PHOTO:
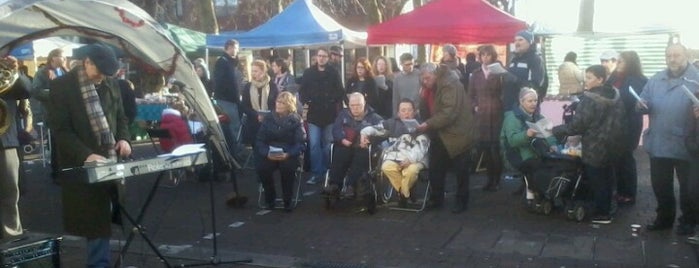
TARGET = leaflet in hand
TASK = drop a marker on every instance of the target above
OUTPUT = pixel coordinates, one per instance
(275, 151)
(410, 124)
(638, 98)
(496, 68)
(543, 128)
(690, 95)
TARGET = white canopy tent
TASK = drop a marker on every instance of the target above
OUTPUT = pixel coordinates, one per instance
(116, 22)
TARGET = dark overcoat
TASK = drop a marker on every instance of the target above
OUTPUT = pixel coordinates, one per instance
(87, 208)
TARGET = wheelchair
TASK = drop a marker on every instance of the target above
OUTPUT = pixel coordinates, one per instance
(366, 183)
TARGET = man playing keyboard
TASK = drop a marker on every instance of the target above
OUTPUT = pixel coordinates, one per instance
(89, 125)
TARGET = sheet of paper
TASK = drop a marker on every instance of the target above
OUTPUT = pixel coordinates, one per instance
(543, 127)
(411, 124)
(496, 68)
(186, 149)
(690, 95)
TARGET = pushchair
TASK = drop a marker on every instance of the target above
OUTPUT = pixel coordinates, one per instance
(558, 182)
(365, 186)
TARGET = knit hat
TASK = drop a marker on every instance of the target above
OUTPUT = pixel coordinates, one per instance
(101, 55)
(171, 111)
(526, 91)
(527, 35)
(449, 48)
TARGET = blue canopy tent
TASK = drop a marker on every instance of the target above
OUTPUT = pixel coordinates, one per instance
(42, 47)
(301, 24)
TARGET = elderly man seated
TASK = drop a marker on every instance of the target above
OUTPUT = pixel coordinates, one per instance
(407, 153)
(349, 158)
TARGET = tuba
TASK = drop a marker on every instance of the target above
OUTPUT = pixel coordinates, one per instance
(8, 76)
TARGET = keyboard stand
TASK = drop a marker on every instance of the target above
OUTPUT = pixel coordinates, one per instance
(140, 229)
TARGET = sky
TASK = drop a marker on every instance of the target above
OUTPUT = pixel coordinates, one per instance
(615, 16)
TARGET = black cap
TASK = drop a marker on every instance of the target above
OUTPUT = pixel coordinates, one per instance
(336, 50)
(101, 55)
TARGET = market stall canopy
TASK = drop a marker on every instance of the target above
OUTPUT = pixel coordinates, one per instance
(189, 40)
(119, 23)
(448, 21)
(301, 24)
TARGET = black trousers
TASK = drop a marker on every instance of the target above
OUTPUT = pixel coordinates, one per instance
(601, 183)
(493, 160)
(693, 186)
(440, 162)
(350, 161)
(626, 175)
(662, 174)
(287, 169)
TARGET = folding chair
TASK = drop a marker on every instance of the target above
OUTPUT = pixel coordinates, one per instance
(421, 177)
(248, 164)
(279, 202)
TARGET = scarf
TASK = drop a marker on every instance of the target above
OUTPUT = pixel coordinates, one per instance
(486, 72)
(428, 96)
(259, 92)
(95, 114)
(280, 81)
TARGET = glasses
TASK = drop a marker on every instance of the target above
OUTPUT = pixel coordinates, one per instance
(322, 56)
(408, 64)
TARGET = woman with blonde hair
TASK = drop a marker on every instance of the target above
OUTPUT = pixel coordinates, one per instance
(258, 98)
(280, 129)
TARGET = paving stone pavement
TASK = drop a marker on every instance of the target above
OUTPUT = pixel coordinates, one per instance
(496, 231)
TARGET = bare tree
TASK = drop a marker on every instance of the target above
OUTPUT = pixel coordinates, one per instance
(587, 16)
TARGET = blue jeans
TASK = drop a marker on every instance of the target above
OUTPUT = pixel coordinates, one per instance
(319, 139)
(98, 253)
(231, 109)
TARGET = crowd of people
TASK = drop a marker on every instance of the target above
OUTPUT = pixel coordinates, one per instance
(434, 117)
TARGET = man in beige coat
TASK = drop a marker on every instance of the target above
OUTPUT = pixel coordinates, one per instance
(449, 125)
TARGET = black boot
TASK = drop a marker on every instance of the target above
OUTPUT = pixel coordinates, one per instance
(370, 201)
(287, 205)
(402, 201)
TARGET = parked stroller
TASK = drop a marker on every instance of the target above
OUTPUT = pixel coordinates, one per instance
(558, 183)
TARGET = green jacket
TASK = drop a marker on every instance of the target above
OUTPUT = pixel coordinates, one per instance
(86, 207)
(452, 119)
(514, 132)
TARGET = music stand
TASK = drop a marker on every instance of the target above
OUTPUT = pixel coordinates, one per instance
(214, 260)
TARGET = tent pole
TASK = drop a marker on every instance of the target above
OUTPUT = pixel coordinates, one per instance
(342, 64)
(206, 56)
(307, 57)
